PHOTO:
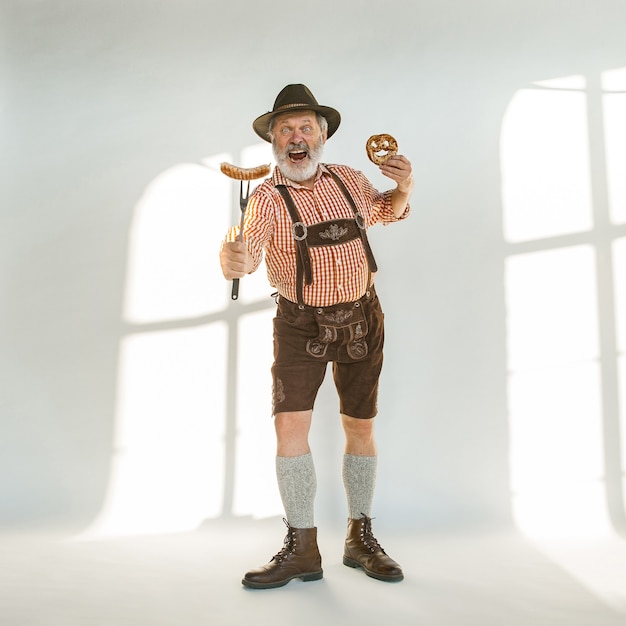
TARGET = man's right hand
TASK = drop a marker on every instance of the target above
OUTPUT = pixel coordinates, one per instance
(235, 259)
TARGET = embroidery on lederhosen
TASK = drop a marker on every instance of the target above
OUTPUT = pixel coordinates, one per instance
(357, 346)
(278, 392)
(351, 320)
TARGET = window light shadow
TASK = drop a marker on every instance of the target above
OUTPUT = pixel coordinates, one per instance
(564, 210)
(182, 449)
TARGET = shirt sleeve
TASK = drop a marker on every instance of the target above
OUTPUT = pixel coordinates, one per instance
(258, 225)
(380, 202)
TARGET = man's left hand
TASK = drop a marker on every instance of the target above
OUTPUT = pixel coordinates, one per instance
(399, 168)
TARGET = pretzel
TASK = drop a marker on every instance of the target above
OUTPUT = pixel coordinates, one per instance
(244, 173)
(380, 147)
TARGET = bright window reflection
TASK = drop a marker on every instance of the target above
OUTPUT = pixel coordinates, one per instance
(619, 272)
(256, 493)
(614, 102)
(175, 235)
(554, 392)
(545, 164)
(167, 470)
(553, 311)
(552, 308)
(170, 453)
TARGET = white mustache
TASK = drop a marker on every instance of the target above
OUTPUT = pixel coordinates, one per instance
(292, 147)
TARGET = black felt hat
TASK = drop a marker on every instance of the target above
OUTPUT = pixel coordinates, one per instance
(294, 98)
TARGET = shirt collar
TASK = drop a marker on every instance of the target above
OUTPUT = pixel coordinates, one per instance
(278, 178)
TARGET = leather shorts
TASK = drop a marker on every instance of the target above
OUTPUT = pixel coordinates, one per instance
(306, 339)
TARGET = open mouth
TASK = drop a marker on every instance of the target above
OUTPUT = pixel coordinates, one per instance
(298, 156)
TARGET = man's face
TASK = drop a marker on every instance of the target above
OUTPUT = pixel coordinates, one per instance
(298, 143)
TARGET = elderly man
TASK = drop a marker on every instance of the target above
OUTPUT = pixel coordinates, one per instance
(310, 220)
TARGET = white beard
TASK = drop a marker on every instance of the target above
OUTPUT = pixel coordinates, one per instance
(294, 171)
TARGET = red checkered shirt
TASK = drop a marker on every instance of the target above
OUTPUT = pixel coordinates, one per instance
(340, 272)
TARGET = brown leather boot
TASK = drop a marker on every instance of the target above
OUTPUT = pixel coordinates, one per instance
(299, 558)
(363, 550)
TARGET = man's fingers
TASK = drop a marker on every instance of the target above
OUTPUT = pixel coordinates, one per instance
(234, 247)
(234, 259)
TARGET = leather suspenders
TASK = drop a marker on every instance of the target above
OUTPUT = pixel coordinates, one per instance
(329, 233)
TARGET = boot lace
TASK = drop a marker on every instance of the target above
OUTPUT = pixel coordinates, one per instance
(289, 544)
(367, 536)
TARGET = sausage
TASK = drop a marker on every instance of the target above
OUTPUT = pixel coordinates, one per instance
(244, 173)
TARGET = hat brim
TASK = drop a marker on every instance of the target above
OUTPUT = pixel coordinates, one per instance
(261, 124)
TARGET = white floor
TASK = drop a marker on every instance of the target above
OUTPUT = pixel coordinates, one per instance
(194, 579)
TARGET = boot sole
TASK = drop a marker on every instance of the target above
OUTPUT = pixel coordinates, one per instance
(389, 578)
(281, 583)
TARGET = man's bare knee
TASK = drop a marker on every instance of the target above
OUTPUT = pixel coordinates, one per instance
(359, 435)
(292, 432)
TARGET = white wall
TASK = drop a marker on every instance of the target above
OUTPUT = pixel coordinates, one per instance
(100, 99)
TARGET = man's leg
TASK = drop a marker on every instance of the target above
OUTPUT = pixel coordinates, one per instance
(359, 477)
(295, 472)
(359, 465)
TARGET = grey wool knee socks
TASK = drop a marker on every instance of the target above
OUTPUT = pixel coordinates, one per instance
(297, 484)
(359, 479)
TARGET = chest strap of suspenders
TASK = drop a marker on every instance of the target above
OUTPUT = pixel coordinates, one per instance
(305, 236)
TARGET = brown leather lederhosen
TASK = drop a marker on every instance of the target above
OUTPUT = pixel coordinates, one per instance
(328, 233)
